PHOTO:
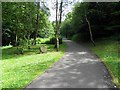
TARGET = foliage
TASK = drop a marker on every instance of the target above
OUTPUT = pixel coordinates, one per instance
(66, 27)
(19, 22)
(103, 17)
(76, 37)
(47, 31)
(38, 40)
(53, 40)
(79, 38)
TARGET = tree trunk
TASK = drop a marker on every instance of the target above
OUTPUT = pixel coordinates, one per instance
(29, 41)
(16, 39)
(16, 34)
(57, 44)
(60, 16)
(57, 29)
(58, 24)
(90, 31)
(37, 22)
(36, 31)
(60, 12)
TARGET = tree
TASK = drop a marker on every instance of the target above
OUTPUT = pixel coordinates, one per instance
(58, 22)
(57, 40)
(81, 9)
(91, 35)
(19, 25)
(18, 22)
(66, 26)
(37, 22)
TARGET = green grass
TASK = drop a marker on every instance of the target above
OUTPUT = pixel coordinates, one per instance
(19, 70)
(4, 47)
(107, 50)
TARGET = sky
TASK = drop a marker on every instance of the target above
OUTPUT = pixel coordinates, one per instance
(67, 8)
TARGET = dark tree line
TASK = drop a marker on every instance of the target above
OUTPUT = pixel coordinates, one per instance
(92, 20)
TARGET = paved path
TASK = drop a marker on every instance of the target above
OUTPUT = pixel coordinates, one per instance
(78, 68)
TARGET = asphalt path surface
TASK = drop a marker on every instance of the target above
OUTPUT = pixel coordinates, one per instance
(78, 68)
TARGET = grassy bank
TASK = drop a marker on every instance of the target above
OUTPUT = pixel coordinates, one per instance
(19, 70)
(107, 50)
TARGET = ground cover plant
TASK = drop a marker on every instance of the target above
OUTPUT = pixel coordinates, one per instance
(20, 70)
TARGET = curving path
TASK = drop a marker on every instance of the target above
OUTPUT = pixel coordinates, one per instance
(78, 68)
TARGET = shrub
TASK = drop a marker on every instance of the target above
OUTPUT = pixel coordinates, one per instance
(31, 41)
(21, 47)
(53, 40)
(80, 37)
(38, 40)
(76, 37)
(45, 40)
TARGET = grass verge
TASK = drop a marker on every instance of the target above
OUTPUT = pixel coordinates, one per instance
(19, 70)
(107, 50)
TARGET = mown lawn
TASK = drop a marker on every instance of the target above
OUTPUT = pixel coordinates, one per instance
(19, 70)
(107, 50)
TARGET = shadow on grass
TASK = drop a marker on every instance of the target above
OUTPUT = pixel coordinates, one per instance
(10, 53)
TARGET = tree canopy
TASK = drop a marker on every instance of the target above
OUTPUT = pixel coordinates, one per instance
(103, 17)
(19, 21)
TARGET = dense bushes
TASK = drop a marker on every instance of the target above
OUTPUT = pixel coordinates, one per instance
(53, 41)
(76, 38)
(22, 45)
(81, 37)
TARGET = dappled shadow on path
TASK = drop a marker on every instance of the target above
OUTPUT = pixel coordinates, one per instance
(78, 68)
